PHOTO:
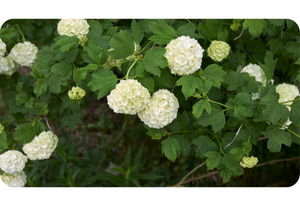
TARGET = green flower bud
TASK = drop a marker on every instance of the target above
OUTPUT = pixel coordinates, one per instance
(76, 93)
(249, 162)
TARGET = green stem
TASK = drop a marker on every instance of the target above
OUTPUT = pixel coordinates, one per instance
(145, 47)
(220, 146)
(248, 142)
(127, 74)
(293, 133)
(21, 33)
(4, 121)
(74, 65)
(218, 103)
(47, 75)
(188, 20)
(35, 120)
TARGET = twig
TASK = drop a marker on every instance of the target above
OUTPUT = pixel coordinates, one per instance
(180, 182)
(240, 33)
(234, 137)
(216, 172)
(275, 161)
(48, 125)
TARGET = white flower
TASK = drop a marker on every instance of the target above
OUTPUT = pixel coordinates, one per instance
(218, 50)
(184, 55)
(12, 161)
(1, 128)
(161, 109)
(76, 93)
(16, 179)
(70, 27)
(129, 97)
(24, 53)
(8, 66)
(2, 48)
(249, 162)
(259, 75)
(287, 92)
(42, 146)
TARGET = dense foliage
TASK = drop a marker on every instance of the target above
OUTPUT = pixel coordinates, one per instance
(179, 92)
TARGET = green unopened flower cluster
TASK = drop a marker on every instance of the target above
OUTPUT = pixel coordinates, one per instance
(1, 128)
(76, 93)
(235, 25)
(218, 50)
(249, 162)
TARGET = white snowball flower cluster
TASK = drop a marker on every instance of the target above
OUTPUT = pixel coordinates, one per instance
(184, 55)
(76, 93)
(2, 48)
(12, 161)
(259, 75)
(70, 27)
(16, 179)
(218, 50)
(24, 53)
(161, 109)
(249, 162)
(129, 97)
(1, 128)
(287, 92)
(42, 146)
(8, 66)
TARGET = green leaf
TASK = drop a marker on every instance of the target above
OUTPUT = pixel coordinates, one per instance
(232, 79)
(25, 133)
(79, 75)
(214, 73)
(213, 160)
(153, 59)
(223, 35)
(293, 48)
(66, 43)
(3, 141)
(295, 111)
(63, 69)
(21, 98)
(243, 106)
(187, 30)
(275, 111)
(29, 103)
(40, 86)
(211, 28)
(41, 108)
(277, 22)
(147, 82)
(189, 85)
(199, 107)
(277, 137)
(137, 31)
(185, 145)
(216, 118)
(7, 33)
(70, 121)
(269, 65)
(103, 80)
(255, 26)
(204, 145)
(248, 84)
(275, 45)
(155, 134)
(128, 158)
(43, 67)
(171, 148)
(239, 152)
(122, 44)
(164, 33)
(53, 82)
(229, 162)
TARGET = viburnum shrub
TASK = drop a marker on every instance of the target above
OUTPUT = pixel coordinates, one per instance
(211, 89)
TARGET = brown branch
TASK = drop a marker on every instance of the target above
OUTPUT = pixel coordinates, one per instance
(180, 182)
(216, 172)
(234, 137)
